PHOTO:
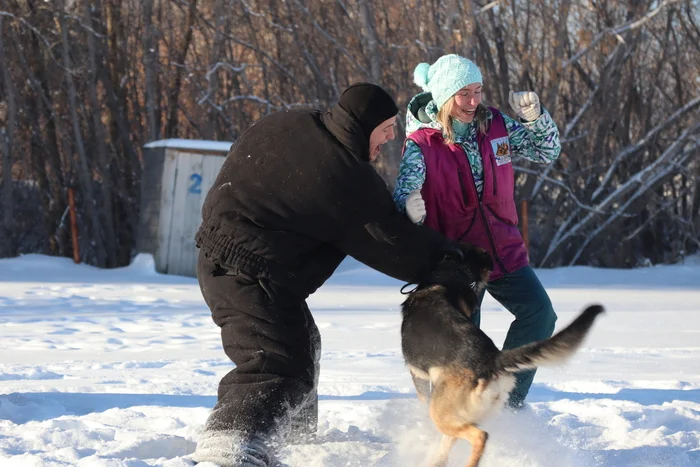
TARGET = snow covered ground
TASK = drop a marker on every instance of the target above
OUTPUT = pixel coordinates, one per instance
(120, 368)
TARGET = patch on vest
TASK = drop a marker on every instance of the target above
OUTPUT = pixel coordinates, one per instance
(501, 150)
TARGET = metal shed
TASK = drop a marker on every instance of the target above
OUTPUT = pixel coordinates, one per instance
(177, 174)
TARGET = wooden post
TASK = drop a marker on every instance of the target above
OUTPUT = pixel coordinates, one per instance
(523, 218)
(73, 225)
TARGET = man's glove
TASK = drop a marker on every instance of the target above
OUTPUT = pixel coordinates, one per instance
(525, 104)
(415, 207)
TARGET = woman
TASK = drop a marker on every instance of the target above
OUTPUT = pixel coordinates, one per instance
(456, 177)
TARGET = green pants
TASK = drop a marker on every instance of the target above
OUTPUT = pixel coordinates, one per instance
(522, 294)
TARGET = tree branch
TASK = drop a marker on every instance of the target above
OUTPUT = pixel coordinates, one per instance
(617, 31)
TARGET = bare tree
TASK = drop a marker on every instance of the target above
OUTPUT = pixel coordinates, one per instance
(372, 41)
(101, 142)
(180, 57)
(149, 67)
(82, 169)
(618, 77)
(8, 115)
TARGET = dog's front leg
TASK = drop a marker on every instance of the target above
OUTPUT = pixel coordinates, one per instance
(478, 439)
(443, 453)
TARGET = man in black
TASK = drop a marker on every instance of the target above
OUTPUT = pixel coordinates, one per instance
(296, 194)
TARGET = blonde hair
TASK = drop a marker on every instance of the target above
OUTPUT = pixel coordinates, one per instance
(445, 120)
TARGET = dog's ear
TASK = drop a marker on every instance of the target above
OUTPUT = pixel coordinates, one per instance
(477, 256)
(452, 252)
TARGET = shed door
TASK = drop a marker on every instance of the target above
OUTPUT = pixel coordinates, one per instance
(188, 178)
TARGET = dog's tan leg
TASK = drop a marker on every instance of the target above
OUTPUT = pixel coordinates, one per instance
(443, 453)
(447, 406)
(478, 439)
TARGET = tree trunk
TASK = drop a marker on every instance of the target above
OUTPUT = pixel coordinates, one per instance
(561, 39)
(101, 142)
(7, 131)
(370, 34)
(44, 149)
(82, 169)
(209, 129)
(181, 55)
(149, 61)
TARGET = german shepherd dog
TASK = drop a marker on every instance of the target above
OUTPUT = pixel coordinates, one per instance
(470, 377)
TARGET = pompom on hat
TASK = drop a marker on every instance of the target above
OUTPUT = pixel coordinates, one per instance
(446, 76)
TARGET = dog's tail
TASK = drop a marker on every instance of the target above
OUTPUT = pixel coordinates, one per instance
(556, 349)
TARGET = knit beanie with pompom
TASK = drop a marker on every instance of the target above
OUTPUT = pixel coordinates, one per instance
(446, 76)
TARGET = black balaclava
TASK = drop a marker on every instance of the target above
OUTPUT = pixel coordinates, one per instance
(369, 104)
(360, 109)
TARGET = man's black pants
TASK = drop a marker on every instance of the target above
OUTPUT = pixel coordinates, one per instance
(269, 333)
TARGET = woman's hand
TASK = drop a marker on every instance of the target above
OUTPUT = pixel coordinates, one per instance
(415, 207)
(525, 104)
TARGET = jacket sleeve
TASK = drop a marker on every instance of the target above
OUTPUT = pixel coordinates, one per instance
(381, 237)
(411, 174)
(395, 246)
(537, 141)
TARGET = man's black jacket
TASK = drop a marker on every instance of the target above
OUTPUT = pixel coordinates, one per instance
(297, 194)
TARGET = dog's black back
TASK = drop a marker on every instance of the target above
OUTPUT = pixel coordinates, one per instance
(437, 328)
(435, 333)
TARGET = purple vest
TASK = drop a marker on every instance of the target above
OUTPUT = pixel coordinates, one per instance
(452, 203)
